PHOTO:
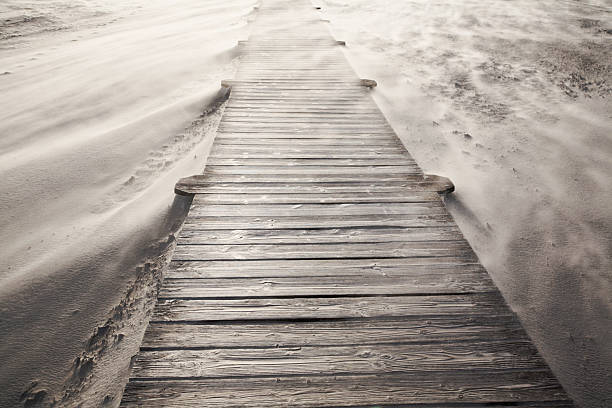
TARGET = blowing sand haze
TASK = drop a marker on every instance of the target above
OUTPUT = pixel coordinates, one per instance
(309, 254)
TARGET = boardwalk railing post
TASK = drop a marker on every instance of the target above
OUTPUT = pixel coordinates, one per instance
(441, 185)
(368, 83)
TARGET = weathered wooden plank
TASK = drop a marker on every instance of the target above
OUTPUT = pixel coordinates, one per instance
(331, 97)
(303, 127)
(294, 59)
(298, 86)
(265, 72)
(199, 209)
(281, 145)
(333, 333)
(317, 141)
(306, 135)
(304, 96)
(267, 104)
(274, 85)
(302, 121)
(376, 164)
(320, 221)
(357, 98)
(321, 141)
(297, 58)
(278, 112)
(269, 110)
(250, 71)
(193, 235)
(391, 153)
(297, 163)
(213, 310)
(394, 168)
(287, 66)
(331, 87)
(288, 198)
(302, 118)
(306, 129)
(313, 251)
(300, 72)
(538, 389)
(329, 92)
(325, 58)
(489, 356)
(352, 98)
(321, 267)
(234, 113)
(351, 105)
(407, 284)
(223, 152)
(290, 66)
(321, 85)
(293, 63)
(199, 185)
(333, 91)
(257, 81)
(313, 178)
(270, 81)
(308, 149)
(322, 108)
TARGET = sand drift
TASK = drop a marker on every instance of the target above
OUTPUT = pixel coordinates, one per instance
(101, 112)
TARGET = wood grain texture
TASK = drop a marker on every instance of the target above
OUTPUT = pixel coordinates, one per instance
(193, 235)
(163, 336)
(432, 249)
(342, 137)
(297, 210)
(310, 149)
(293, 141)
(313, 308)
(423, 283)
(287, 164)
(505, 389)
(489, 356)
(320, 221)
(313, 198)
(198, 185)
(321, 267)
(355, 177)
(316, 170)
(318, 265)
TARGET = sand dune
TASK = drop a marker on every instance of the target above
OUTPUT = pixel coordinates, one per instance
(99, 116)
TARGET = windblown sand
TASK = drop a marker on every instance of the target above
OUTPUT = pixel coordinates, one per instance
(512, 101)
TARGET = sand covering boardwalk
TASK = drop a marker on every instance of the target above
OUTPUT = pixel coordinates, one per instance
(317, 266)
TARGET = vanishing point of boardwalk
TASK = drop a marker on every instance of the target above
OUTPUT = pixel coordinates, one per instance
(318, 266)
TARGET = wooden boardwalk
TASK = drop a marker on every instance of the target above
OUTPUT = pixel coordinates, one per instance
(318, 267)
